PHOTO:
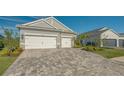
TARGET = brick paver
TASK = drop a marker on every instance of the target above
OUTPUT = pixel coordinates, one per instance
(63, 62)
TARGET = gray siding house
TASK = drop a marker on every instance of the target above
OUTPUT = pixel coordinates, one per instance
(105, 36)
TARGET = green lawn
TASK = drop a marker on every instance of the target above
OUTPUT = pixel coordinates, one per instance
(110, 53)
(5, 62)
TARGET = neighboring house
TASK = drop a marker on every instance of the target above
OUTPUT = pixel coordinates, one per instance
(45, 33)
(106, 38)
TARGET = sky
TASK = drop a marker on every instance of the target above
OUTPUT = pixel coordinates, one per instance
(78, 24)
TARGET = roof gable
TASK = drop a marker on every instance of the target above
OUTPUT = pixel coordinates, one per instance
(57, 24)
(109, 34)
(38, 23)
(49, 22)
(102, 30)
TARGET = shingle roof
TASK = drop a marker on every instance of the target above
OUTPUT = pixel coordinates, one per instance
(97, 31)
(121, 33)
(101, 30)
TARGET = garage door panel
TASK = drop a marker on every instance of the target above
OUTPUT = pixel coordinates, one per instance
(66, 42)
(37, 42)
(49, 42)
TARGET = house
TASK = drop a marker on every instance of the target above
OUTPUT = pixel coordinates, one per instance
(46, 33)
(105, 36)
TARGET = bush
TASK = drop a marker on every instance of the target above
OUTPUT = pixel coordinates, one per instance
(92, 48)
(19, 49)
(77, 46)
(15, 53)
(8, 52)
(77, 43)
(1, 44)
(4, 52)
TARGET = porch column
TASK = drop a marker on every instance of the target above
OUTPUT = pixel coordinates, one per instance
(117, 45)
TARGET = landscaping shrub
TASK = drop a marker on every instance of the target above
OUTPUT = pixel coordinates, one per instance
(92, 48)
(15, 53)
(88, 48)
(77, 46)
(4, 52)
(10, 52)
(19, 49)
(77, 43)
(1, 44)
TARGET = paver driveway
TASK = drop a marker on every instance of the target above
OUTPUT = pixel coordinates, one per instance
(63, 62)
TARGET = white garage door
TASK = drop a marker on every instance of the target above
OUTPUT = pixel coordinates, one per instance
(66, 42)
(37, 42)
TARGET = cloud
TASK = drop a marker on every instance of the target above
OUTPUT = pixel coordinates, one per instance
(7, 18)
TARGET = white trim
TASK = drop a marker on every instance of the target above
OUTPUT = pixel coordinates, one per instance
(38, 21)
(115, 32)
(35, 21)
(32, 22)
(45, 29)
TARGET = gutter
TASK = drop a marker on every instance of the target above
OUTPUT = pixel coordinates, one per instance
(42, 28)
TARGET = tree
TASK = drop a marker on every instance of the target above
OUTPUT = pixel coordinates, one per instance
(11, 40)
(81, 37)
(16, 40)
(1, 43)
(8, 39)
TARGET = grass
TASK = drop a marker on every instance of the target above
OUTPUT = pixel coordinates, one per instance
(5, 62)
(110, 53)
